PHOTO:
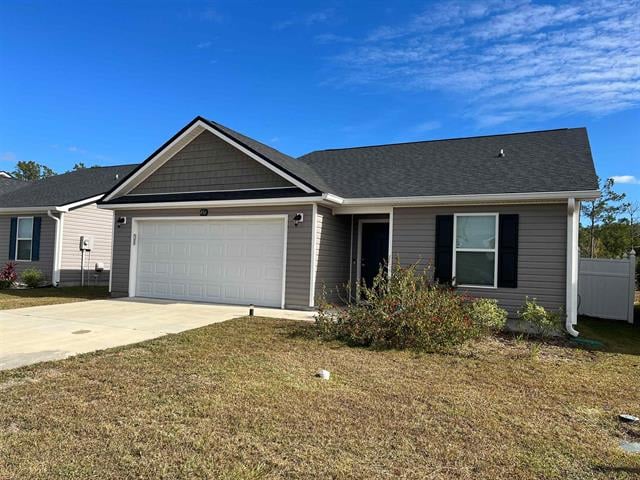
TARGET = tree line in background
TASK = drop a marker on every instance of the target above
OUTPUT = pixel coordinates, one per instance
(30, 170)
(611, 225)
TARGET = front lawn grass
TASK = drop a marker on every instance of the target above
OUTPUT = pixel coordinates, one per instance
(617, 336)
(33, 297)
(239, 400)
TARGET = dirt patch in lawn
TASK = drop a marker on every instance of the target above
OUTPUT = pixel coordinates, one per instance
(240, 400)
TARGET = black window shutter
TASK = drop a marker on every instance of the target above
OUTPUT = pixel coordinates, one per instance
(12, 238)
(35, 244)
(444, 248)
(508, 251)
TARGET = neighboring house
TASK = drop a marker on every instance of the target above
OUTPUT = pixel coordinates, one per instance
(9, 184)
(41, 224)
(216, 216)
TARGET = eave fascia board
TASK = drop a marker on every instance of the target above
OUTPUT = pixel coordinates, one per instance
(52, 208)
(198, 125)
(12, 210)
(80, 203)
(331, 198)
(463, 199)
(215, 204)
(362, 209)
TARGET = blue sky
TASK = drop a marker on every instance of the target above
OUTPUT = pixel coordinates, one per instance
(108, 82)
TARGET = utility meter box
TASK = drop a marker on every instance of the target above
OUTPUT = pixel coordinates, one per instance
(86, 242)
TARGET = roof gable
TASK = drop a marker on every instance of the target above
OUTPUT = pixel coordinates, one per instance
(286, 167)
(208, 163)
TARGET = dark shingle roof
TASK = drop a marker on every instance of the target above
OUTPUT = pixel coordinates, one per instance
(11, 184)
(66, 188)
(544, 161)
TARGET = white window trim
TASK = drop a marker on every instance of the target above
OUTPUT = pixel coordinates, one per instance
(487, 250)
(18, 238)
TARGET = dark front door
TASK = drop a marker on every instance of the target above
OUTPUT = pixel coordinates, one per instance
(374, 250)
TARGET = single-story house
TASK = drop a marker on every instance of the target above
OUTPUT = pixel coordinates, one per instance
(41, 223)
(216, 216)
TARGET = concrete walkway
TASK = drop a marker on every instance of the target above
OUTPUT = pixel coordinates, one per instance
(52, 332)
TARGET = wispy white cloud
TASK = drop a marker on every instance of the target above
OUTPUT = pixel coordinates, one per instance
(628, 179)
(206, 44)
(74, 149)
(325, 38)
(210, 14)
(427, 126)
(510, 59)
(82, 152)
(8, 157)
(306, 19)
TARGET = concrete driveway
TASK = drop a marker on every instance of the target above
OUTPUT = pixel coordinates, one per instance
(52, 332)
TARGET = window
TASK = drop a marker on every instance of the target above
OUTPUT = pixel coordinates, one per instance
(475, 249)
(24, 238)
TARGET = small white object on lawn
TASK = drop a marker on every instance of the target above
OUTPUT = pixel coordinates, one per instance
(625, 417)
(323, 374)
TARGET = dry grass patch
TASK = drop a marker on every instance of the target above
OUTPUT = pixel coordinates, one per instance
(33, 297)
(240, 400)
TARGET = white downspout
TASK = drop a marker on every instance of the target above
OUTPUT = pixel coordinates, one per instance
(573, 225)
(55, 278)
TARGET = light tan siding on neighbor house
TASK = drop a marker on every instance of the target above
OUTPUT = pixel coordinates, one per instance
(541, 249)
(91, 221)
(298, 263)
(47, 235)
(332, 253)
(208, 163)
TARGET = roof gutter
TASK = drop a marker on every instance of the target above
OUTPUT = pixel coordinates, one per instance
(217, 203)
(483, 198)
(55, 278)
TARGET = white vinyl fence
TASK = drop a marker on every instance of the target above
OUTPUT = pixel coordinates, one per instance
(606, 287)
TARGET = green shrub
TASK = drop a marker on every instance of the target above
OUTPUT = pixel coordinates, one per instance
(402, 311)
(8, 275)
(545, 321)
(32, 277)
(487, 316)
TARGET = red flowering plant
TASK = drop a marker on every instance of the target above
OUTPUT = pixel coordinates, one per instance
(8, 275)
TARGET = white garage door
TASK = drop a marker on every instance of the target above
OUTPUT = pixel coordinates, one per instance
(238, 261)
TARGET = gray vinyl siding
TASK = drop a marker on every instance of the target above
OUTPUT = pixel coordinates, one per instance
(541, 249)
(47, 239)
(91, 221)
(298, 273)
(209, 163)
(332, 253)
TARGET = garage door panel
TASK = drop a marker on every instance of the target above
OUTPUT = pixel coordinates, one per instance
(227, 261)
